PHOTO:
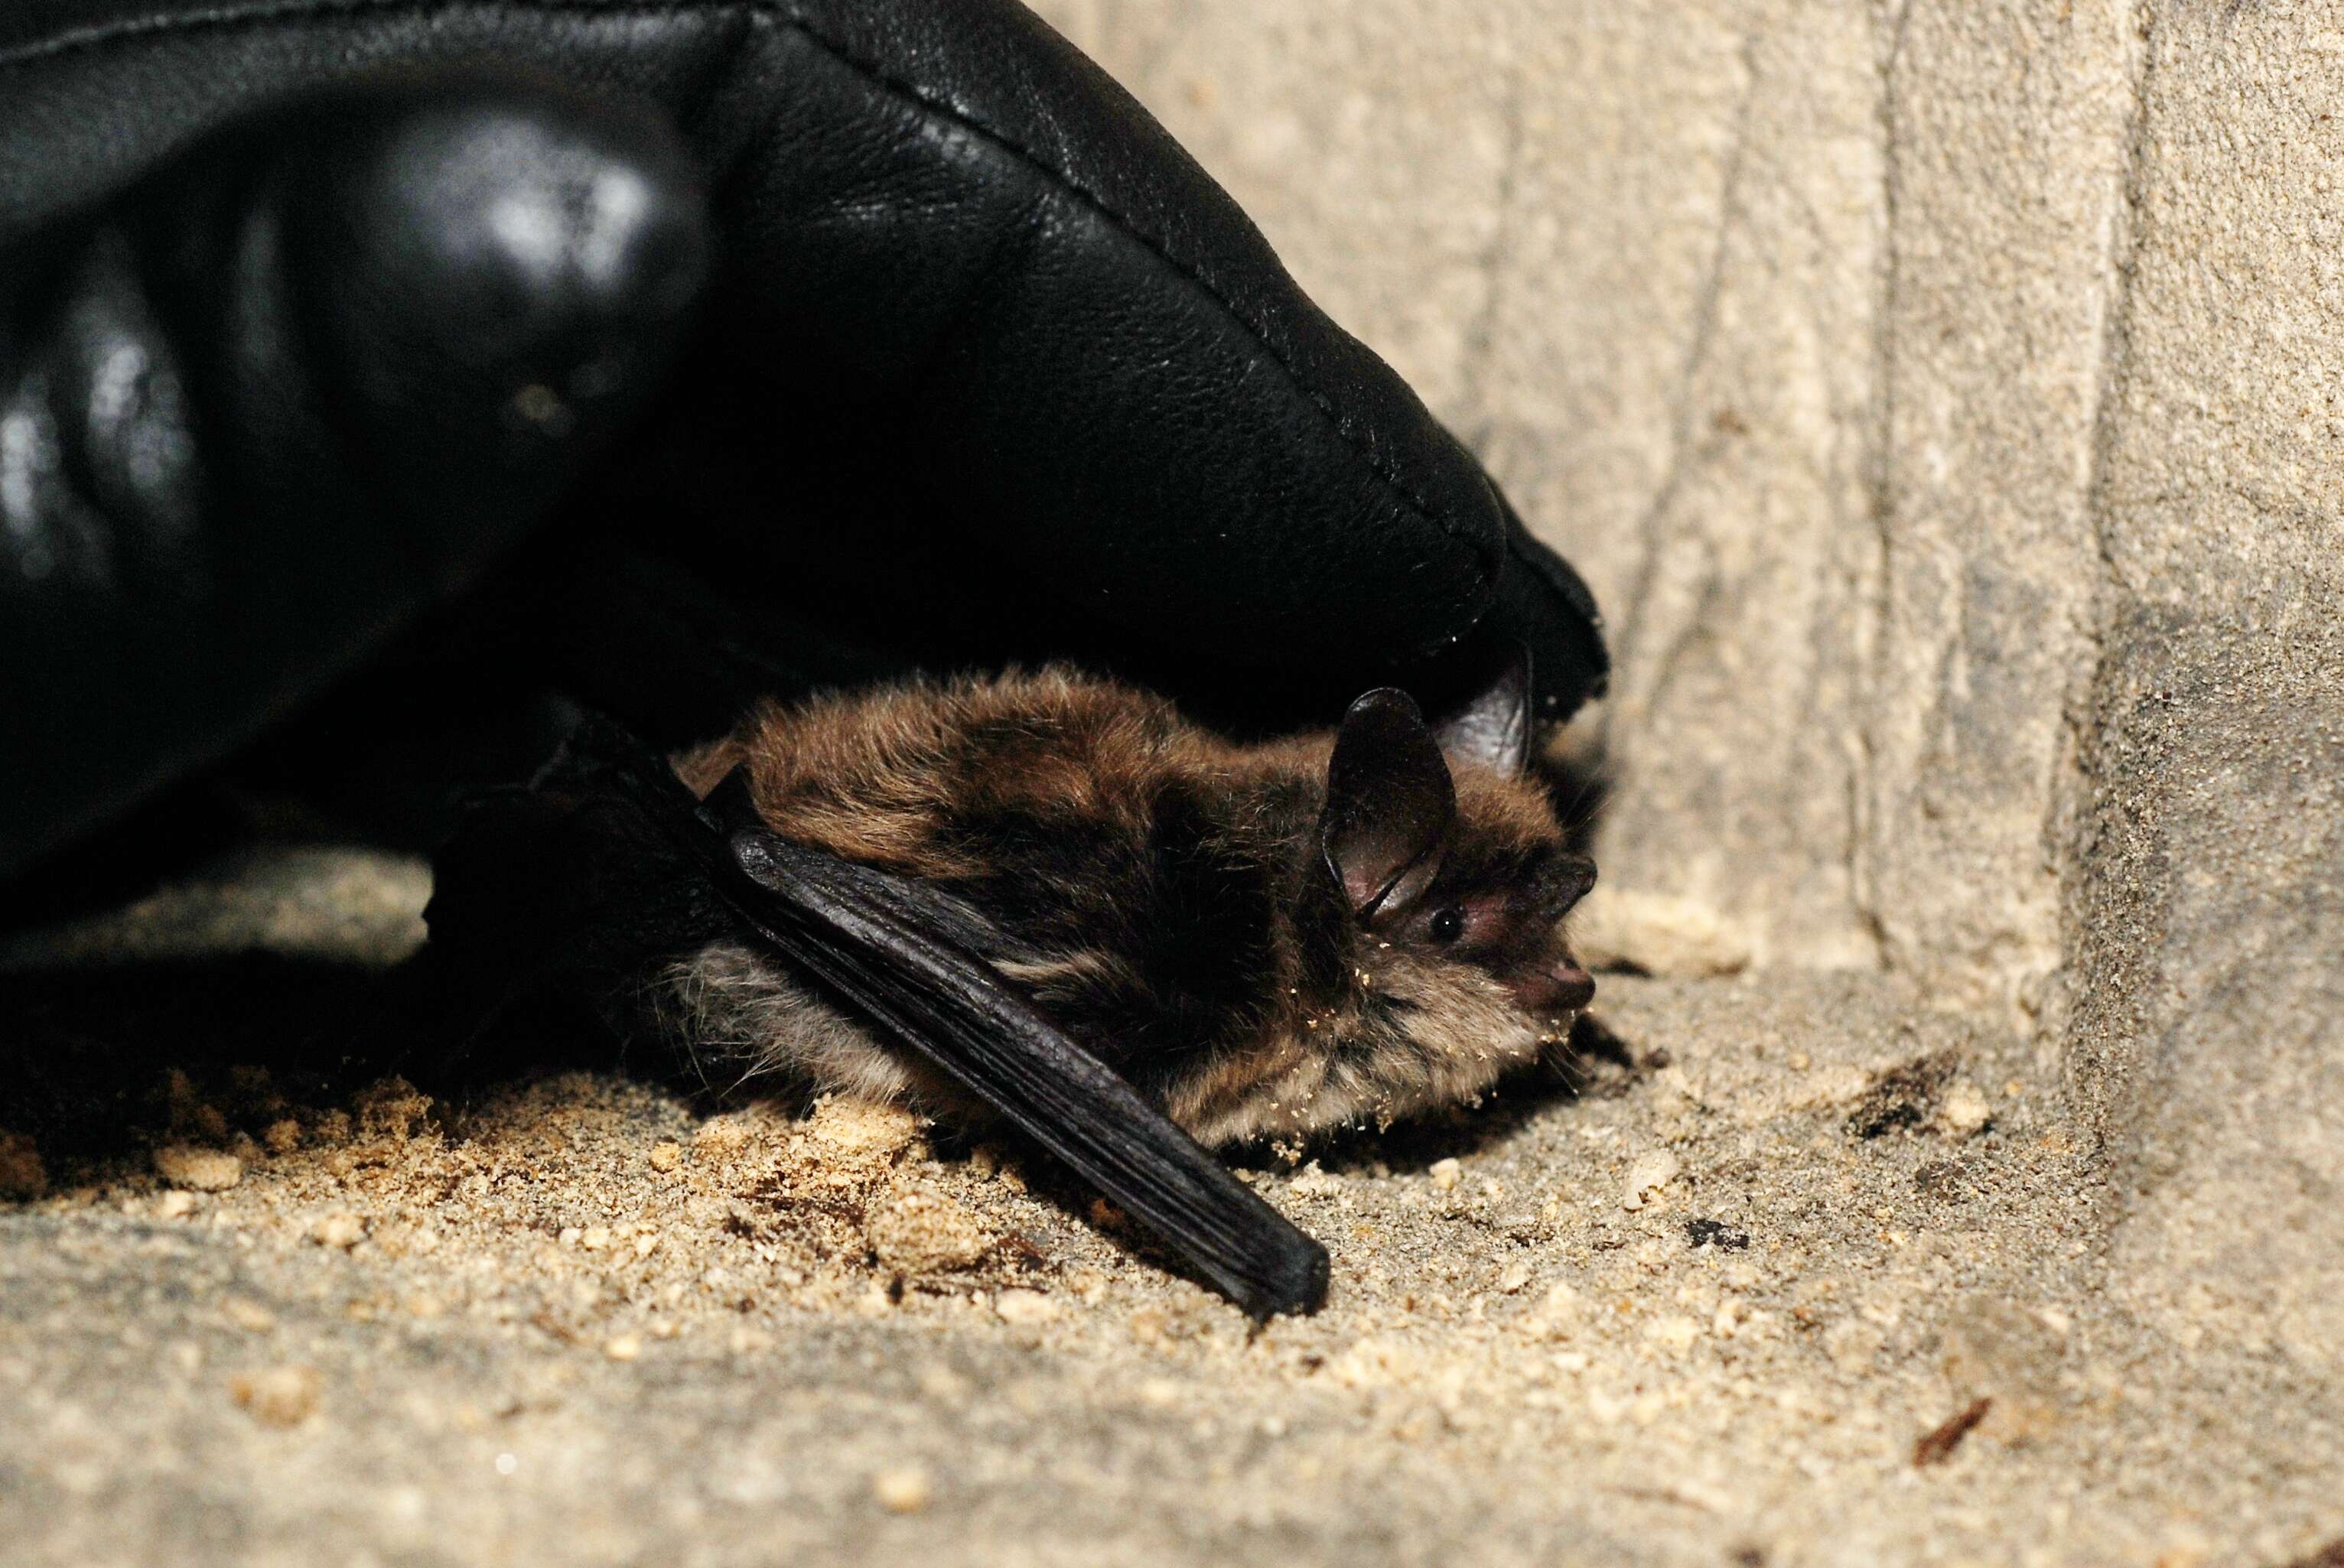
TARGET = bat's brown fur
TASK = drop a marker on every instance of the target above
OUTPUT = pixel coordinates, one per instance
(1161, 892)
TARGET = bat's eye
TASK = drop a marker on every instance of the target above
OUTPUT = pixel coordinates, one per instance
(1448, 925)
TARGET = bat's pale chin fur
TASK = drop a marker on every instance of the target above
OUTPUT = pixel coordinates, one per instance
(747, 1018)
(1412, 1036)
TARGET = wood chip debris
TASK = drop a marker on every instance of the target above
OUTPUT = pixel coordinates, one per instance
(1937, 1444)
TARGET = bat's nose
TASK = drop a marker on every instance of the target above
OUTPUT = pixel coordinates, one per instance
(1562, 985)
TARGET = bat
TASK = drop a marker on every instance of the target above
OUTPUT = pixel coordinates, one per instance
(1051, 901)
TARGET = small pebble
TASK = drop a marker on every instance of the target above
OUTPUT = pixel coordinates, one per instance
(1161, 1392)
(666, 1155)
(905, 1490)
(1312, 1182)
(1446, 1174)
(1676, 1332)
(1025, 1307)
(175, 1205)
(943, 1383)
(203, 1170)
(282, 1396)
(1555, 1315)
(251, 1315)
(595, 1237)
(625, 1348)
(1513, 1278)
(1965, 1112)
(340, 1229)
(1649, 1174)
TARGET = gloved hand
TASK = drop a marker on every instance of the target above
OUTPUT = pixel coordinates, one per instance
(666, 355)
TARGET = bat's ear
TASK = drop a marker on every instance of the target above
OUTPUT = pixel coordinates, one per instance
(730, 806)
(1390, 803)
(1492, 726)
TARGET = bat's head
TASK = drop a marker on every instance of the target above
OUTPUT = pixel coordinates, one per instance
(1430, 927)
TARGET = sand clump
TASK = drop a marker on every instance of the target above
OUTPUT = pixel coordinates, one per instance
(921, 1231)
(198, 1169)
(848, 1183)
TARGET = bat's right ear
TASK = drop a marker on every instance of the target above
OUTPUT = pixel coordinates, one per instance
(730, 806)
(1389, 804)
(1493, 725)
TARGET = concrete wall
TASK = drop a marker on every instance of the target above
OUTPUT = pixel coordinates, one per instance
(1942, 400)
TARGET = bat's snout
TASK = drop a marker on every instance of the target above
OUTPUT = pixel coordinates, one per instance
(1559, 986)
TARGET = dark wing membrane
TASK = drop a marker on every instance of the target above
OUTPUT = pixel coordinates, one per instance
(587, 875)
(876, 940)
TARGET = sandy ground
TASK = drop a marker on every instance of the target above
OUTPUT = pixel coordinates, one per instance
(1790, 1271)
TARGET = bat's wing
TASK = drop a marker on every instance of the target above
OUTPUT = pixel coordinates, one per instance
(608, 863)
(589, 872)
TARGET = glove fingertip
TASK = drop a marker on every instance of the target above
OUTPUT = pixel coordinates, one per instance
(493, 276)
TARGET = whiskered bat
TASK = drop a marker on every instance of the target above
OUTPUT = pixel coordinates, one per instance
(1052, 900)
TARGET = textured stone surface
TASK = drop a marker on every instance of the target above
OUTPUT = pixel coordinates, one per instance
(2208, 893)
(1944, 401)
(1633, 254)
(1790, 323)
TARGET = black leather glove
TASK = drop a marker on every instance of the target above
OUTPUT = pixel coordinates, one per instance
(687, 352)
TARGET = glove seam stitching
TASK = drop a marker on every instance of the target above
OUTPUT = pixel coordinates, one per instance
(97, 38)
